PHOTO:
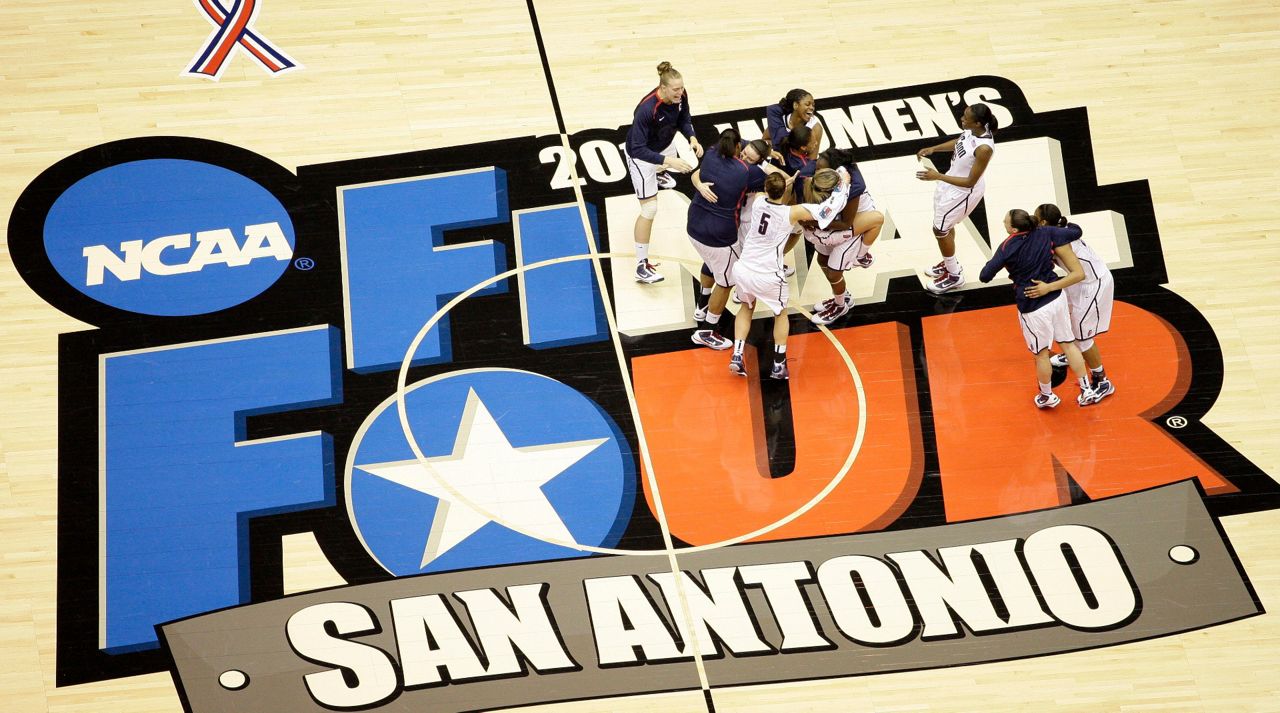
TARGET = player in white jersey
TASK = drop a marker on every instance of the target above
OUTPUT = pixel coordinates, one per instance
(759, 272)
(847, 242)
(1090, 301)
(959, 190)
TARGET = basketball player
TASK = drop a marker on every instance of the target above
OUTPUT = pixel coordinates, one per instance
(1027, 254)
(651, 152)
(758, 273)
(847, 242)
(1089, 301)
(791, 112)
(959, 190)
(796, 159)
(723, 180)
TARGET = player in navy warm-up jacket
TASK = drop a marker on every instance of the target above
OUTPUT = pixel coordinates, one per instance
(651, 152)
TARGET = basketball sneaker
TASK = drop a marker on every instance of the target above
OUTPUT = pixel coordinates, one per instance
(1088, 397)
(937, 271)
(666, 180)
(867, 260)
(1059, 361)
(700, 313)
(646, 274)
(780, 371)
(1103, 388)
(835, 310)
(736, 366)
(708, 338)
(788, 270)
(1047, 400)
(946, 283)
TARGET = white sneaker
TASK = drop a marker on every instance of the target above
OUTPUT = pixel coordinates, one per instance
(700, 313)
(646, 274)
(708, 338)
(1088, 397)
(736, 366)
(1059, 360)
(666, 180)
(1043, 401)
(946, 283)
(1104, 388)
(866, 260)
(780, 371)
(788, 270)
(837, 309)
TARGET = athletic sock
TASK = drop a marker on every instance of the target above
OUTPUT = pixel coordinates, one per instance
(713, 318)
(953, 265)
(1046, 389)
(1098, 374)
(738, 346)
(863, 248)
(779, 353)
(710, 322)
(642, 252)
(1084, 383)
(702, 297)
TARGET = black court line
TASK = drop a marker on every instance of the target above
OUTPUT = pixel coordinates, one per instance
(546, 67)
(555, 105)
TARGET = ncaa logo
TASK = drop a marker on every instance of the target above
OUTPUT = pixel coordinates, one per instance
(187, 237)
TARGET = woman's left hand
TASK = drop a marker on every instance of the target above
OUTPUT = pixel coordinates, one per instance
(1039, 289)
(928, 174)
(697, 147)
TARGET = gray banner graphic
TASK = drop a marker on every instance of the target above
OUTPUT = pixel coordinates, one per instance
(1118, 570)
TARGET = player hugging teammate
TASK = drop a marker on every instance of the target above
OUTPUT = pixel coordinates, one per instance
(754, 200)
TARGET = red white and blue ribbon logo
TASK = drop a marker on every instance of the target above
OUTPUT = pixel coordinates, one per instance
(234, 28)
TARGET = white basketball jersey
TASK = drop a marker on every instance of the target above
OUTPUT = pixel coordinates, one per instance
(1095, 268)
(812, 122)
(766, 236)
(962, 158)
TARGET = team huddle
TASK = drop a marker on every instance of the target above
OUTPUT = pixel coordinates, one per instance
(755, 200)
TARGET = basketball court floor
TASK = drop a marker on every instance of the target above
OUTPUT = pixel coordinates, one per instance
(326, 385)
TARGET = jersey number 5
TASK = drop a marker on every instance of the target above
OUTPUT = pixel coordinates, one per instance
(764, 223)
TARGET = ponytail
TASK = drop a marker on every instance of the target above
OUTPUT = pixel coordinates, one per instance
(788, 103)
(1021, 220)
(1051, 215)
(728, 144)
(983, 115)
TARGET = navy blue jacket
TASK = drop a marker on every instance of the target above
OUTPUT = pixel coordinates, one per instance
(716, 224)
(654, 126)
(1029, 256)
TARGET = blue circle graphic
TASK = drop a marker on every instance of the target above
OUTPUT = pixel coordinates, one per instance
(169, 237)
(393, 503)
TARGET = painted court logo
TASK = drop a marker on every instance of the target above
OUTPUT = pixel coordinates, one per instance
(190, 238)
(439, 365)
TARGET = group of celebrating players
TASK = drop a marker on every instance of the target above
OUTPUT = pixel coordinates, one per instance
(754, 200)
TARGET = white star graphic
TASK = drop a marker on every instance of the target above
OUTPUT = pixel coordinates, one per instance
(485, 469)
